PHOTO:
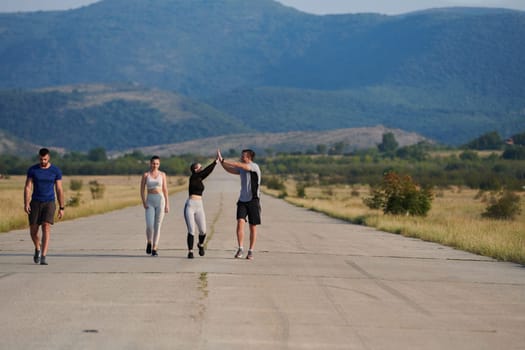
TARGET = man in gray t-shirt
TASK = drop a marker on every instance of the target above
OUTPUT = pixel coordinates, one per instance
(248, 204)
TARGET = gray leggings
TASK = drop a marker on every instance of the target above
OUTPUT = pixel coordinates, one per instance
(194, 216)
(154, 216)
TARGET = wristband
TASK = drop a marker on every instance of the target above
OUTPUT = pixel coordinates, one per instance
(61, 208)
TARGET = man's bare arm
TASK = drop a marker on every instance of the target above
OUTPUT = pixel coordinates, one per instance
(27, 195)
(229, 167)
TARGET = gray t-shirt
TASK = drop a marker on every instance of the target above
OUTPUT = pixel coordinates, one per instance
(250, 181)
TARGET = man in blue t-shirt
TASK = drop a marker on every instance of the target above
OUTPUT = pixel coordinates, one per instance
(43, 180)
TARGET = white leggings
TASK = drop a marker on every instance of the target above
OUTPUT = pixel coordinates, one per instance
(194, 216)
(154, 216)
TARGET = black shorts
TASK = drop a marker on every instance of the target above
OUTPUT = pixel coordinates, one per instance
(41, 212)
(251, 209)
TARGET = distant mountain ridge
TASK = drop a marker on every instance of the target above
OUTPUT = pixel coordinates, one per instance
(210, 46)
(243, 66)
(290, 142)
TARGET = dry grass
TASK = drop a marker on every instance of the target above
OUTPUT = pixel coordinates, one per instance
(120, 192)
(454, 220)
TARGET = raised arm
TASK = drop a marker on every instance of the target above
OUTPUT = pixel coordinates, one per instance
(230, 169)
(236, 165)
(204, 173)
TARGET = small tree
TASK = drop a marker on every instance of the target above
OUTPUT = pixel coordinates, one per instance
(490, 140)
(506, 207)
(389, 143)
(399, 195)
(321, 149)
(97, 154)
(514, 152)
(519, 139)
(337, 148)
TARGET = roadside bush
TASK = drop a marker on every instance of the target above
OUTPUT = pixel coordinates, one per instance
(97, 189)
(76, 185)
(74, 201)
(506, 206)
(301, 190)
(399, 195)
(275, 183)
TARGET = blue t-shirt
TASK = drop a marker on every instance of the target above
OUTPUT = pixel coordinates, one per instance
(44, 182)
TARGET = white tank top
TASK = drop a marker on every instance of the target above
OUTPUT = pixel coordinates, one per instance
(154, 183)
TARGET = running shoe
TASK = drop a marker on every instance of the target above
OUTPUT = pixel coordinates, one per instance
(201, 249)
(239, 253)
(249, 256)
(36, 257)
(43, 261)
(154, 253)
(148, 248)
(190, 255)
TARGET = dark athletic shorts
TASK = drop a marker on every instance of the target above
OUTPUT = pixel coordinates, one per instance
(41, 212)
(251, 209)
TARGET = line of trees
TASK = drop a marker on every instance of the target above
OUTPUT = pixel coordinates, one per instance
(497, 170)
(96, 162)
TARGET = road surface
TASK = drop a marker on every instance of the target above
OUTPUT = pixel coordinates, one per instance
(315, 283)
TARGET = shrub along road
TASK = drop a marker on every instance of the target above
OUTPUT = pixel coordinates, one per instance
(315, 283)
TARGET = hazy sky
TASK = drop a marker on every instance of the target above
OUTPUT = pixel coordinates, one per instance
(313, 6)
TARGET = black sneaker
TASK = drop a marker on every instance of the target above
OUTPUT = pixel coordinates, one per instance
(43, 261)
(36, 257)
(148, 248)
(201, 249)
(190, 255)
(154, 253)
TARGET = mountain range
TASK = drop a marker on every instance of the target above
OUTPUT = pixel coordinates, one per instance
(135, 73)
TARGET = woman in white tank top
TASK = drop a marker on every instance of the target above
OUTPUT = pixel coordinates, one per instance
(154, 194)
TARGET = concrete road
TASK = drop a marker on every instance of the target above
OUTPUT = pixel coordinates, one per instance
(315, 283)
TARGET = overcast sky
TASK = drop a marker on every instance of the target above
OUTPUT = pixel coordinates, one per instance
(312, 6)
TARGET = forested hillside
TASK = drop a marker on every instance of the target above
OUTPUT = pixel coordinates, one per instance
(114, 118)
(239, 66)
